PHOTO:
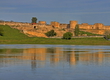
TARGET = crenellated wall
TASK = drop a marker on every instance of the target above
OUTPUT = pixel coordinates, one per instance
(85, 26)
(13, 23)
(99, 26)
(64, 26)
(96, 26)
(39, 29)
(42, 22)
(55, 24)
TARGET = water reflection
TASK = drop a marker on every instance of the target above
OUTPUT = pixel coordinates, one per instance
(51, 62)
(41, 56)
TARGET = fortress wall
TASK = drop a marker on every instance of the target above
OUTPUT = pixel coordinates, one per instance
(42, 22)
(85, 26)
(107, 27)
(98, 26)
(44, 26)
(13, 23)
(73, 24)
(64, 26)
(55, 24)
(41, 28)
(2, 23)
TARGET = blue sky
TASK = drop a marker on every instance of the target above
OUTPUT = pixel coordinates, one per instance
(84, 11)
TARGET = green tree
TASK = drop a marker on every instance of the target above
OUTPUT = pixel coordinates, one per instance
(67, 35)
(50, 33)
(107, 35)
(1, 32)
(76, 31)
(34, 19)
(107, 32)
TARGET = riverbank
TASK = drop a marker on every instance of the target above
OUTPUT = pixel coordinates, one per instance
(73, 41)
(14, 36)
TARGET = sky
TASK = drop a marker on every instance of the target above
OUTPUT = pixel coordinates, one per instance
(84, 11)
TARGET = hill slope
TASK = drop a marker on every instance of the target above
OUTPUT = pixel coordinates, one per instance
(11, 33)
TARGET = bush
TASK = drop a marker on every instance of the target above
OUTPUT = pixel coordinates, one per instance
(76, 31)
(50, 33)
(107, 32)
(107, 37)
(67, 35)
(1, 32)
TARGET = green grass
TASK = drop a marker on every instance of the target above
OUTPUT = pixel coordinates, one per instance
(14, 36)
(88, 33)
(11, 33)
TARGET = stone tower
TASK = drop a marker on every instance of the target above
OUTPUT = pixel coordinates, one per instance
(73, 24)
(55, 24)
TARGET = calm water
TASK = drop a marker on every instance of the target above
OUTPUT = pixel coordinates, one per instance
(54, 62)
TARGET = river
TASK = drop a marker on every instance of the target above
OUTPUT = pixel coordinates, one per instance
(54, 62)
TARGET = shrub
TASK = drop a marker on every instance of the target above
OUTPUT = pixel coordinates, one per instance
(50, 33)
(1, 32)
(67, 35)
(76, 31)
(107, 32)
(107, 37)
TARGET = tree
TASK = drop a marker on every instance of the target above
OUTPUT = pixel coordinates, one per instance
(1, 32)
(76, 31)
(50, 33)
(67, 35)
(34, 19)
(107, 32)
(107, 35)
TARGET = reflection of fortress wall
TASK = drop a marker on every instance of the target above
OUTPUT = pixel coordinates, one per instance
(35, 54)
(95, 57)
(100, 57)
(72, 59)
(56, 56)
(85, 57)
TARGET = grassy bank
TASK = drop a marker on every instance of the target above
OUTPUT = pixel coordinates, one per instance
(13, 36)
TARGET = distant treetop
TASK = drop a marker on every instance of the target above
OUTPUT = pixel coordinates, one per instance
(34, 19)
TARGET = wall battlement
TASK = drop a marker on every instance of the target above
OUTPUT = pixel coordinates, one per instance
(72, 24)
(40, 28)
